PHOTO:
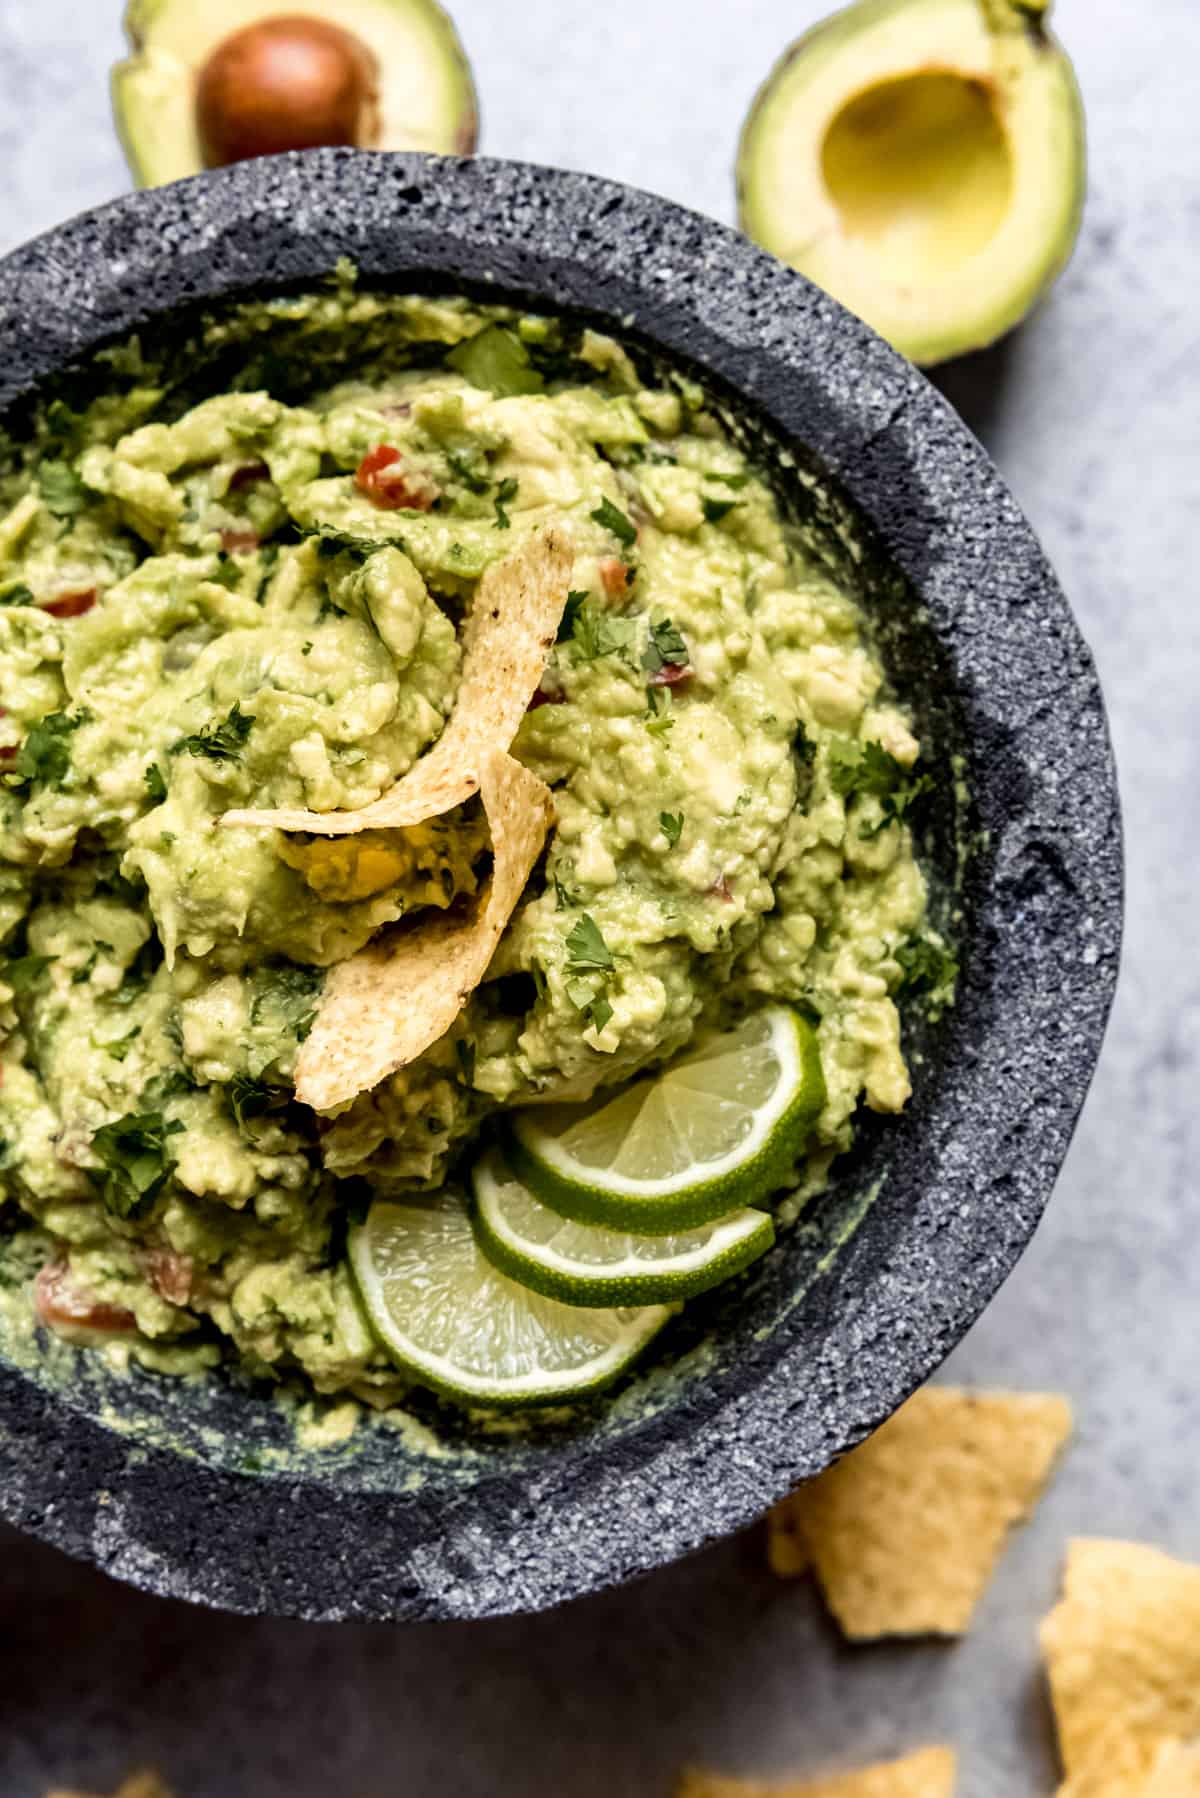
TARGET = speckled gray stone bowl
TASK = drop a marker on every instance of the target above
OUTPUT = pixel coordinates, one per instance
(204, 1490)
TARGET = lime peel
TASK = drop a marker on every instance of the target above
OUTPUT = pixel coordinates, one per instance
(773, 1054)
(585, 1265)
(453, 1322)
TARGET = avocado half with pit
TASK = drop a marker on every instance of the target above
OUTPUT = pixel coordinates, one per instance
(223, 80)
(924, 162)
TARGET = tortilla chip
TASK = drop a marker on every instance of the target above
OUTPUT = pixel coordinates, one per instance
(1175, 1773)
(929, 1773)
(138, 1785)
(905, 1532)
(508, 635)
(788, 1553)
(1122, 1653)
(387, 1004)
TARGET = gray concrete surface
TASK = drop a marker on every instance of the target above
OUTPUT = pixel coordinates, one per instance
(1093, 413)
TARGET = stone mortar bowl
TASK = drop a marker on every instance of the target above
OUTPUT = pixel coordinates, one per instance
(204, 1490)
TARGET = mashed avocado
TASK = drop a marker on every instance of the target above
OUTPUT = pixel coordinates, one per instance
(249, 601)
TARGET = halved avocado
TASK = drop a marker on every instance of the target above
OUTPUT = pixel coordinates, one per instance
(923, 161)
(216, 82)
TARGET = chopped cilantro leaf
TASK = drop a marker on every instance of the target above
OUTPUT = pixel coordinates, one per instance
(564, 897)
(869, 769)
(470, 468)
(496, 360)
(736, 481)
(219, 742)
(587, 951)
(598, 633)
(156, 783)
(566, 628)
(599, 1012)
(17, 595)
(664, 648)
(44, 757)
(926, 966)
(671, 824)
(119, 1047)
(251, 1098)
(24, 973)
(614, 520)
(61, 489)
(506, 491)
(134, 1153)
(717, 509)
(659, 718)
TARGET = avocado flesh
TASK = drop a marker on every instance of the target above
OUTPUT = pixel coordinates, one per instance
(427, 98)
(923, 161)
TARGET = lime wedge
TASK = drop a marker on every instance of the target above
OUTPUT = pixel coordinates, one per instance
(446, 1315)
(716, 1130)
(584, 1265)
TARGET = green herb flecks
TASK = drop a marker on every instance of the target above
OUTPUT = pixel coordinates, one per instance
(575, 602)
(26, 972)
(597, 633)
(45, 756)
(62, 491)
(665, 648)
(614, 520)
(222, 742)
(869, 770)
(156, 783)
(587, 951)
(717, 509)
(927, 966)
(496, 360)
(505, 493)
(117, 1048)
(17, 595)
(671, 825)
(135, 1155)
(251, 1098)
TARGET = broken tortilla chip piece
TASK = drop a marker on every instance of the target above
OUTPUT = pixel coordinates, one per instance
(508, 635)
(1175, 1773)
(905, 1531)
(387, 1004)
(928, 1773)
(1122, 1654)
(788, 1553)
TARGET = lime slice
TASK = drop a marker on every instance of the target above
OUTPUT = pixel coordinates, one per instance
(716, 1130)
(584, 1265)
(451, 1320)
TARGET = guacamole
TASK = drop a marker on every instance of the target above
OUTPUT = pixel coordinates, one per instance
(248, 601)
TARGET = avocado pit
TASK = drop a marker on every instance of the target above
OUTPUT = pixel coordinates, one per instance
(286, 83)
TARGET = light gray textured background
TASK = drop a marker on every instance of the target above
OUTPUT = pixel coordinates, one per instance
(1093, 413)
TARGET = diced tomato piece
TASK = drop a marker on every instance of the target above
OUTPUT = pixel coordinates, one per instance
(234, 541)
(170, 1274)
(616, 577)
(8, 753)
(671, 674)
(393, 484)
(63, 1305)
(71, 605)
(248, 475)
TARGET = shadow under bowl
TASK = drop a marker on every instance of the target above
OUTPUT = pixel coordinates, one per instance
(204, 1490)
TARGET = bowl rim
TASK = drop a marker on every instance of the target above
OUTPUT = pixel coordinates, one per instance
(713, 1462)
